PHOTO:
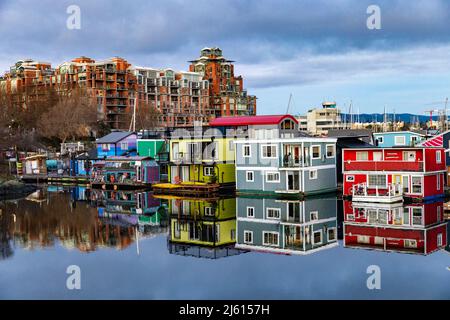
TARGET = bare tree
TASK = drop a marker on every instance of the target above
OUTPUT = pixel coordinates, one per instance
(147, 116)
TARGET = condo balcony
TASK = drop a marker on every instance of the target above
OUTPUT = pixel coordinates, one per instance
(410, 166)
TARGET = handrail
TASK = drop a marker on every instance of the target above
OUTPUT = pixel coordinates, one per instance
(393, 189)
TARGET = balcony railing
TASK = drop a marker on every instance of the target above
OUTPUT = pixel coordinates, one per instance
(351, 165)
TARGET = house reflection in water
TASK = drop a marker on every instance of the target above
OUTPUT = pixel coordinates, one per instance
(287, 226)
(203, 228)
(410, 228)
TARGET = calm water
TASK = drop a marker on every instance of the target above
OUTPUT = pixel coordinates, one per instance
(134, 246)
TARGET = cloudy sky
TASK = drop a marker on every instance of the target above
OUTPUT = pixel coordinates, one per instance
(317, 50)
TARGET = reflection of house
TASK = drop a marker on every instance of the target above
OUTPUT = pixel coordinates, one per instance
(301, 165)
(442, 141)
(117, 143)
(398, 139)
(417, 172)
(289, 227)
(209, 223)
(414, 228)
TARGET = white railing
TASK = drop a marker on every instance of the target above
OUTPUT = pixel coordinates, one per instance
(392, 190)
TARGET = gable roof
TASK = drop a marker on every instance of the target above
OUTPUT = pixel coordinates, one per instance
(114, 137)
(436, 141)
(399, 132)
(250, 120)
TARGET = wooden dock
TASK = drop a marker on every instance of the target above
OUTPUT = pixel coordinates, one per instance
(45, 178)
(191, 189)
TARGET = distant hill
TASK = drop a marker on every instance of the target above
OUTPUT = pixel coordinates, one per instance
(406, 117)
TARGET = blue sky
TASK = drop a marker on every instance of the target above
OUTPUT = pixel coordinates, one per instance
(316, 50)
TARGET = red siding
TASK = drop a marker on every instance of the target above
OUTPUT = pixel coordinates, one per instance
(430, 159)
(432, 236)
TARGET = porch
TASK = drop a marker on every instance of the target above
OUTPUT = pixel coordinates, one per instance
(390, 194)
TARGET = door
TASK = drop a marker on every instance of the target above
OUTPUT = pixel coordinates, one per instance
(184, 174)
(405, 184)
(293, 181)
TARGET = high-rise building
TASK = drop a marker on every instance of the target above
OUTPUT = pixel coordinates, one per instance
(227, 94)
(319, 120)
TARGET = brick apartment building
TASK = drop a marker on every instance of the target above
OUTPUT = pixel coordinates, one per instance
(208, 90)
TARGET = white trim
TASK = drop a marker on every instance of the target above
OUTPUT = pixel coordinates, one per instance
(334, 151)
(251, 236)
(321, 237)
(246, 176)
(253, 209)
(313, 213)
(210, 168)
(249, 149)
(399, 144)
(291, 140)
(274, 173)
(273, 209)
(269, 244)
(286, 251)
(316, 175)
(335, 234)
(269, 145)
(311, 153)
(270, 221)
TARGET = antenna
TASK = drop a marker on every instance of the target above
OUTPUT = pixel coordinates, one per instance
(133, 118)
(289, 103)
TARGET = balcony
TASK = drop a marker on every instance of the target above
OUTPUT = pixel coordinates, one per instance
(364, 193)
(352, 165)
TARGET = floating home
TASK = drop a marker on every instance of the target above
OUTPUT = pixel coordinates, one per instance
(286, 167)
(398, 139)
(414, 228)
(117, 143)
(126, 172)
(390, 174)
(441, 141)
(157, 149)
(286, 226)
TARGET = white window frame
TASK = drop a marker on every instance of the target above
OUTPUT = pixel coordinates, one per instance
(122, 144)
(328, 234)
(399, 144)
(253, 212)
(253, 176)
(334, 151)
(438, 182)
(380, 139)
(314, 215)
(244, 155)
(271, 244)
(438, 156)
(106, 146)
(373, 186)
(269, 145)
(273, 173)
(278, 210)
(208, 211)
(439, 240)
(411, 190)
(312, 153)
(321, 237)
(247, 232)
(209, 168)
(315, 174)
(414, 139)
(360, 153)
(350, 178)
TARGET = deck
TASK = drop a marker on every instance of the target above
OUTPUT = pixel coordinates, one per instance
(193, 189)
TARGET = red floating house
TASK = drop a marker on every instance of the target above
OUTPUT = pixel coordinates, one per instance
(389, 174)
(415, 228)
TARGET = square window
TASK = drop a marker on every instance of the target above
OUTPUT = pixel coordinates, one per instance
(250, 176)
(331, 151)
(314, 215)
(315, 152)
(399, 140)
(250, 212)
(273, 213)
(331, 234)
(248, 237)
(362, 156)
(317, 237)
(208, 171)
(105, 147)
(269, 151)
(209, 211)
(272, 177)
(312, 174)
(270, 238)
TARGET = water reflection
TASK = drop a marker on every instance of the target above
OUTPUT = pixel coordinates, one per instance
(411, 228)
(202, 228)
(287, 226)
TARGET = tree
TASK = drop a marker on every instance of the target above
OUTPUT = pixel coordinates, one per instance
(147, 116)
(73, 116)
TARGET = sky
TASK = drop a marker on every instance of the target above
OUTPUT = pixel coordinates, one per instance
(315, 50)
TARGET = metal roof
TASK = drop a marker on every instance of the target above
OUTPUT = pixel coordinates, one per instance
(114, 137)
(250, 120)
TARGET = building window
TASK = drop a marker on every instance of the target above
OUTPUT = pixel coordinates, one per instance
(438, 182)
(416, 183)
(248, 237)
(209, 211)
(349, 178)
(377, 180)
(317, 237)
(250, 212)
(439, 240)
(269, 151)
(414, 140)
(380, 140)
(410, 243)
(399, 140)
(273, 213)
(270, 238)
(272, 177)
(231, 145)
(312, 174)
(331, 151)
(438, 157)
(315, 152)
(246, 151)
(208, 171)
(105, 147)
(331, 234)
(124, 145)
(362, 156)
(249, 175)
(314, 215)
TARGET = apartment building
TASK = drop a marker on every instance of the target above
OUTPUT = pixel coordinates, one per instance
(226, 90)
(319, 120)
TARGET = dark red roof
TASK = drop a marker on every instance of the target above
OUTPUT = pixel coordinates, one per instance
(250, 120)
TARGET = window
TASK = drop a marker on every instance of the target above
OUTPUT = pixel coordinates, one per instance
(124, 145)
(314, 215)
(331, 151)
(438, 182)
(331, 234)
(417, 216)
(399, 140)
(209, 211)
(270, 238)
(269, 151)
(416, 183)
(350, 178)
(410, 243)
(439, 240)
(380, 140)
(248, 237)
(377, 180)
(273, 213)
(317, 237)
(105, 146)
(250, 212)
(272, 177)
(362, 156)
(312, 174)
(315, 152)
(249, 176)
(208, 171)
(233, 234)
(246, 151)
(231, 145)
(438, 157)
(414, 140)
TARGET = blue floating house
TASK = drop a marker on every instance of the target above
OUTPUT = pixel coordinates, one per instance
(398, 139)
(118, 143)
